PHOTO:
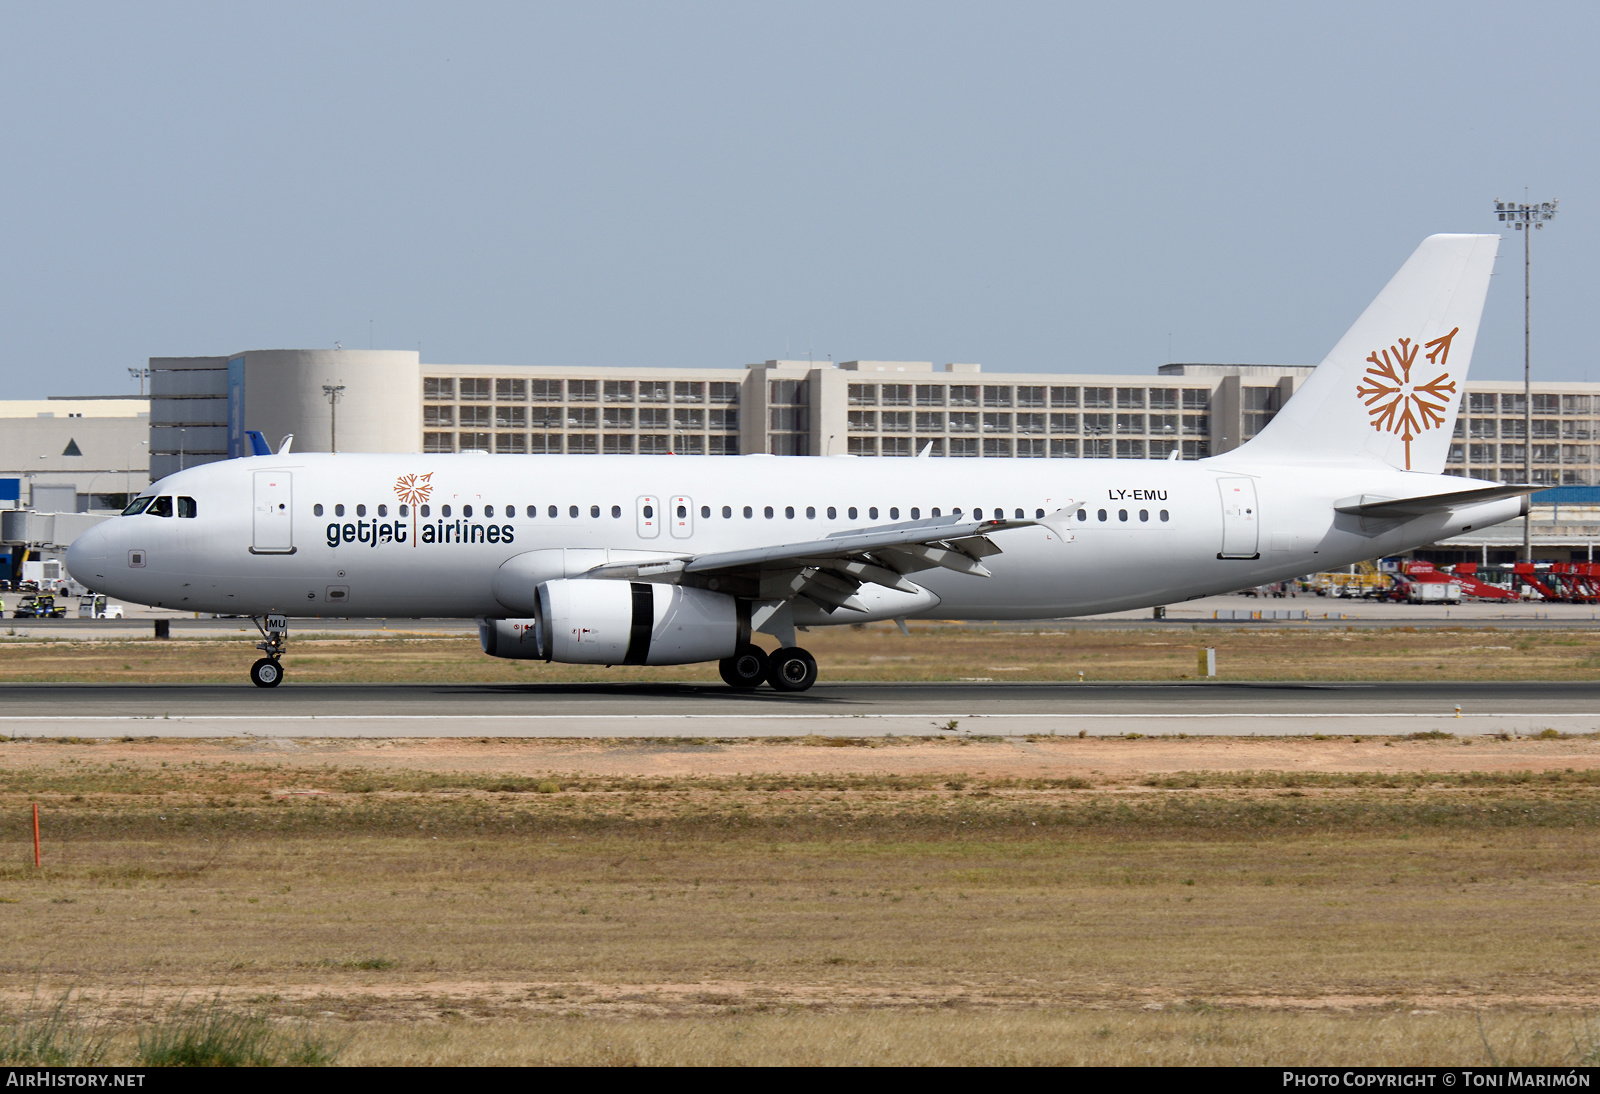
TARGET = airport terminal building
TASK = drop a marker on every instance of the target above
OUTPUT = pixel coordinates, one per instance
(389, 401)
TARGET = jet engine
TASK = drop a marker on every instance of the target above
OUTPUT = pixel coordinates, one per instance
(591, 621)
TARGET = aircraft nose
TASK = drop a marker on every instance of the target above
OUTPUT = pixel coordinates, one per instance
(86, 557)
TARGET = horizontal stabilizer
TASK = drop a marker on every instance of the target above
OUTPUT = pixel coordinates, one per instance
(1369, 505)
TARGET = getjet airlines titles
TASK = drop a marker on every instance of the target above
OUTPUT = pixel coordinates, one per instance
(666, 560)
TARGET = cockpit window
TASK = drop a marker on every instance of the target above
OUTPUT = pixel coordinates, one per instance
(137, 506)
(186, 507)
(161, 507)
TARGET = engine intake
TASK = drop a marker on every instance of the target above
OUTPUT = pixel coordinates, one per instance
(598, 622)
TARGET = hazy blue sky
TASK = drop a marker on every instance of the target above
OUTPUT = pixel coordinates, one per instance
(1037, 187)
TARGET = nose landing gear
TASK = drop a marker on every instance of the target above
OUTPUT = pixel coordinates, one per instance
(268, 672)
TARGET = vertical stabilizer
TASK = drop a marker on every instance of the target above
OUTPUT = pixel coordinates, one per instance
(1390, 389)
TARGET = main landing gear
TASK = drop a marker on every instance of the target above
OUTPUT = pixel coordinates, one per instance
(789, 669)
(268, 672)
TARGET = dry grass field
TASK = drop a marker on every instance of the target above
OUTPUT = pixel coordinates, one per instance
(871, 652)
(816, 900)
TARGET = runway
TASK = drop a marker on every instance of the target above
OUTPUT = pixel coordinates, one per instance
(832, 710)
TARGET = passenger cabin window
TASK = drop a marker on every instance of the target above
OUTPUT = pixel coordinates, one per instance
(186, 507)
(616, 512)
(811, 512)
(727, 512)
(444, 510)
(1122, 514)
(1101, 514)
(872, 513)
(316, 510)
(361, 511)
(1083, 514)
(338, 511)
(466, 511)
(1163, 514)
(161, 507)
(594, 511)
(403, 512)
(788, 511)
(894, 513)
(572, 511)
(748, 512)
(916, 513)
(425, 511)
(705, 510)
(768, 512)
(139, 505)
(383, 510)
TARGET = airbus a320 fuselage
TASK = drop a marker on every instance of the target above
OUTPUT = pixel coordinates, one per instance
(672, 559)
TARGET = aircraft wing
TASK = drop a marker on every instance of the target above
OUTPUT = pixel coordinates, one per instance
(1368, 505)
(830, 570)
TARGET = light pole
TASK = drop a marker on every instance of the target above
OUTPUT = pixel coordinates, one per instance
(127, 472)
(140, 374)
(1526, 218)
(334, 392)
(1096, 431)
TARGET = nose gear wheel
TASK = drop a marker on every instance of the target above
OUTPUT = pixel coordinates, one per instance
(266, 673)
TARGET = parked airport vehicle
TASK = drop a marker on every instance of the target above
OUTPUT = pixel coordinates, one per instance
(662, 560)
(98, 606)
(39, 606)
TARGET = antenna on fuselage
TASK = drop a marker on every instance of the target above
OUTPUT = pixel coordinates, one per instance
(284, 445)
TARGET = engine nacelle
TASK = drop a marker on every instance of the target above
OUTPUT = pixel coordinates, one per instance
(599, 622)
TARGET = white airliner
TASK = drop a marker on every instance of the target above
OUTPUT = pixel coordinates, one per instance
(667, 560)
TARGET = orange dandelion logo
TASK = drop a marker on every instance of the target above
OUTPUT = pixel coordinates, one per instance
(413, 490)
(1396, 403)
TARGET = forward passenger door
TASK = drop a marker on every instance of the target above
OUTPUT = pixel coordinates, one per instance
(273, 518)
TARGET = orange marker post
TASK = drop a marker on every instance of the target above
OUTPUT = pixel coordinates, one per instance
(36, 860)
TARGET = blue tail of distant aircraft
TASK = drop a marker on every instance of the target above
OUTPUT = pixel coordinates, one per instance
(258, 443)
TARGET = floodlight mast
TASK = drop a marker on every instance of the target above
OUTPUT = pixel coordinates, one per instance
(1526, 217)
(334, 392)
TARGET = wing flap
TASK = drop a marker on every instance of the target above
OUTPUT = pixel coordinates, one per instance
(947, 529)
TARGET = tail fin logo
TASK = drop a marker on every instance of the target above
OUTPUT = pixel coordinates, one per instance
(1396, 403)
